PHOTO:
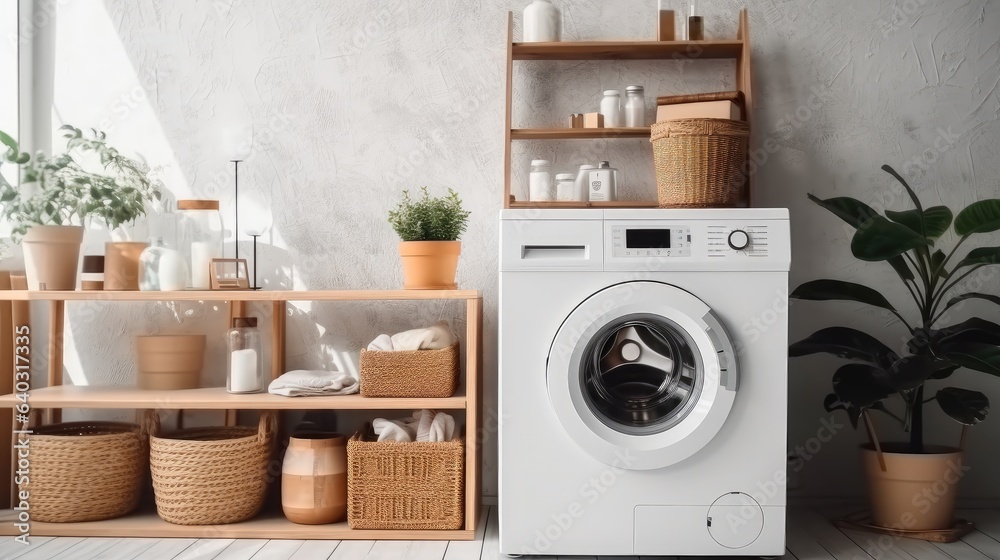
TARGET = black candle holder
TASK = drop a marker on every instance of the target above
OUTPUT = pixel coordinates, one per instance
(255, 286)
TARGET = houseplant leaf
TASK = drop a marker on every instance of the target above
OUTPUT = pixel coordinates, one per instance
(973, 330)
(851, 210)
(972, 295)
(845, 342)
(964, 406)
(980, 256)
(913, 196)
(977, 356)
(979, 217)
(879, 239)
(909, 372)
(936, 220)
(824, 290)
(833, 403)
(858, 385)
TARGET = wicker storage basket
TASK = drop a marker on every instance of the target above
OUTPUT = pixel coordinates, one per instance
(211, 476)
(700, 162)
(85, 471)
(394, 485)
(417, 373)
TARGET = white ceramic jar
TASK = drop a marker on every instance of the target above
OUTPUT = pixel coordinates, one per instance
(542, 22)
(540, 186)
(581, 187)
(611, 108)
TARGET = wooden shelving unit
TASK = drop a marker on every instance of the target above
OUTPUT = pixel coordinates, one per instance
(738, 50)
(272, 525)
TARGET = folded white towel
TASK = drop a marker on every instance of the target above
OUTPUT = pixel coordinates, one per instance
(434, 337)
(307, 383)
(424, 425)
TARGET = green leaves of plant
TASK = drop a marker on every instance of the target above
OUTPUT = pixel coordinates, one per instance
(936, 220)
(845, 342)
(858, 385)
(979, 217)
(824, 290)
(981, 256)
(430, 218)
(879, 239)
(964, 406)
(852, 211)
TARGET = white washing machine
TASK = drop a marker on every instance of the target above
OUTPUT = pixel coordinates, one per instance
(643, 381)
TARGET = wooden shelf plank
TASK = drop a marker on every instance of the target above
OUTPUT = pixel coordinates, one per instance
(269, 525)
(243, 295)
(215, 398)
(627, 50)
(563, 204)
(578, 133)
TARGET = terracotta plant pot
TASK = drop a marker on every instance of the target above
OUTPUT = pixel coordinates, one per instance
(52, 256)
(169, 362)
(916, 492)
(314, 478)
(121, 265)
(430, 265)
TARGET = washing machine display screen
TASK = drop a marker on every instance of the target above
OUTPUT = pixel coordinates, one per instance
(647, 238)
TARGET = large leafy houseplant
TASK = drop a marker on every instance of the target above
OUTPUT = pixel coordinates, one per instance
(90, 180)
(908, 241)
(429, 228)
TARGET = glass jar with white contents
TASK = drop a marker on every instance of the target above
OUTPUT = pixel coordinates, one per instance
(245, 372)
(201, 238)
(565, 186)
(635, 106)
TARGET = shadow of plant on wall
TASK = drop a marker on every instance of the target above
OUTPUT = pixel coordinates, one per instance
(906, 241)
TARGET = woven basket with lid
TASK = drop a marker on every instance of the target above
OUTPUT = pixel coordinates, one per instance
(700, 163)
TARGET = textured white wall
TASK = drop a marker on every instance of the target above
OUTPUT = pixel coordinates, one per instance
(350, 102)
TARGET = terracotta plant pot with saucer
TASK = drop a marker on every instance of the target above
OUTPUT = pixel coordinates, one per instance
(52, 256)
(915, 492)
(429, 228)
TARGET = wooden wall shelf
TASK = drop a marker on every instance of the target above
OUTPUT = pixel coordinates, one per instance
(627, 50)
(565, 204)
(737, 49)
(578, 133)
(49, 401)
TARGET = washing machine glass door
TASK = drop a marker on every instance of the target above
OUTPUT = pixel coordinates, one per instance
(642, 375)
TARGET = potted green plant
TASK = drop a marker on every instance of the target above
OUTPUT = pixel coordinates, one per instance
(898, 385)
(429, 228)
(58, 194)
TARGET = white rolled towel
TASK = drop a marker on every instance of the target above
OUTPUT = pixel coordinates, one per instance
(393, 430)
(434, 337)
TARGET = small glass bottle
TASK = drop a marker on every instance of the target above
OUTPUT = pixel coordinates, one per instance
(540, 186)
(667, 19)
(201, 237)
(611, 108)
(695, 23)
(565, 186)
(635, 106)
(161, 268)
(245, 372)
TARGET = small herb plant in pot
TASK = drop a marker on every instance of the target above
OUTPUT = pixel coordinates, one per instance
(899, 385)
(429, 228)
(58, 194)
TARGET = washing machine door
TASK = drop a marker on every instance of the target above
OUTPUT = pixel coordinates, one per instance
(642, 375)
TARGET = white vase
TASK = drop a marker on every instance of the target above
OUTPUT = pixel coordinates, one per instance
(542, 22)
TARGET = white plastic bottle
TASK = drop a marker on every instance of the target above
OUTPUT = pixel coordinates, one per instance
(540, 185)
(603, 183)
(581, 190)
(611, 108)
(542, 22)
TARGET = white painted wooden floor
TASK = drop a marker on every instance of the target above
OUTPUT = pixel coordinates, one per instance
(810, 537)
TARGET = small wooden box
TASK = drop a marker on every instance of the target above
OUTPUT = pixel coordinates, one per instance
(593, 120)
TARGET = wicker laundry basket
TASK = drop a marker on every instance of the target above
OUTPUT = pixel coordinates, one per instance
(212, 476)
(700, 163)
(417, 373)
(85, 471)
(395, 485)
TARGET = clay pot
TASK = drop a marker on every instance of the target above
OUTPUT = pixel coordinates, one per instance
(429, 265)
(169, 362)
(121, 265)
(314, 478)
(916, 492)
(52, 256)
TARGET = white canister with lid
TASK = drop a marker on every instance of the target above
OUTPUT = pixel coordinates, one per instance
(581, 187)
(635, 106)
(603, 183)
(565, 187)
(611, 108)
(542, 22)
(540, 187)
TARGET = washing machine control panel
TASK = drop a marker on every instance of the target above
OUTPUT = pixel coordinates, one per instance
(654, 240)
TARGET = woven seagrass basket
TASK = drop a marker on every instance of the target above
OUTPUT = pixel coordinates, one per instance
(396, 485)
(700, 163)
(211, 476)
(85, 471)
(417, 373)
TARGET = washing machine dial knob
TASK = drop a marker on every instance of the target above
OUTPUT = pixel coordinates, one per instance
(739, 239)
